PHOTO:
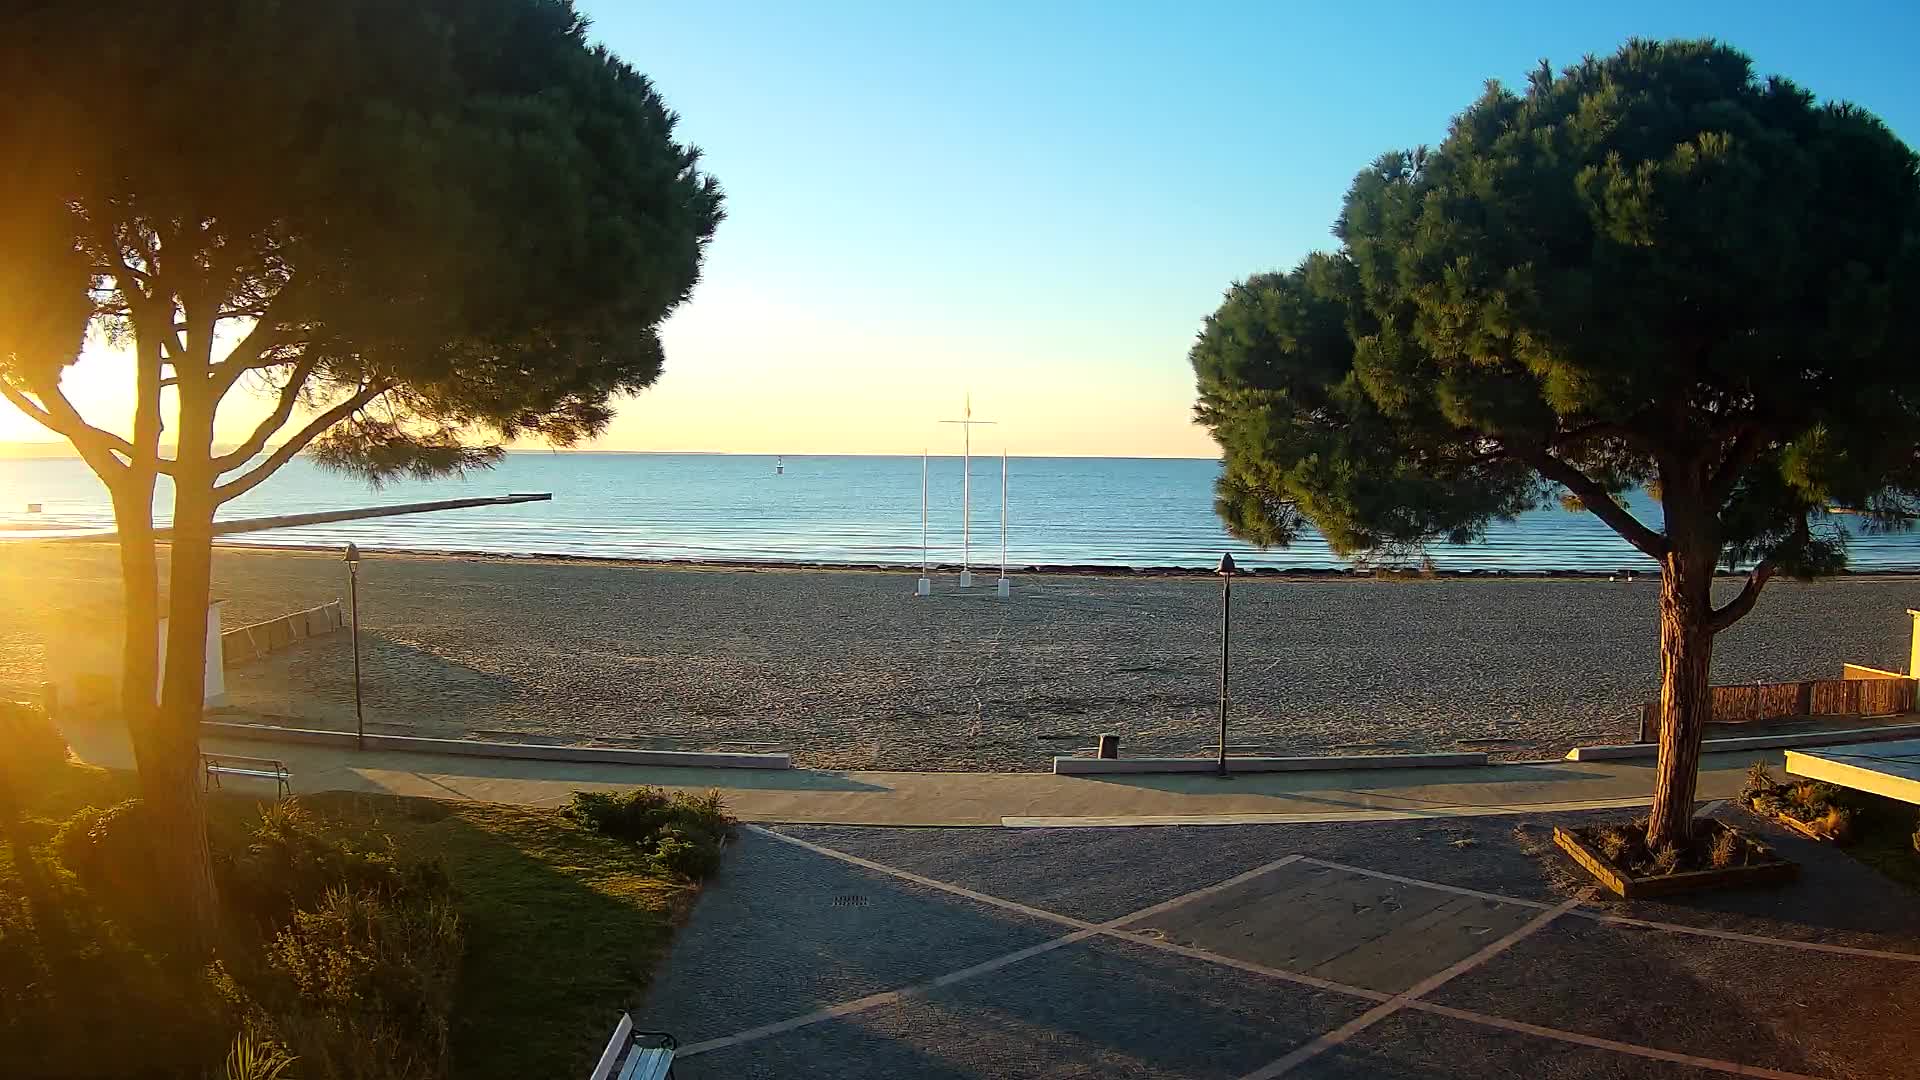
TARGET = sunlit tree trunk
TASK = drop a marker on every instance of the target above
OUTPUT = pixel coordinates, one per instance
(1686, 703)
(1686, 652)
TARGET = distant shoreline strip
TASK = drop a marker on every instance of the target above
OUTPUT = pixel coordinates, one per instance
(1638, 573)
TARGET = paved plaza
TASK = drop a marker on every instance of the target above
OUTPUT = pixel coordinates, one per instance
(1451, 948)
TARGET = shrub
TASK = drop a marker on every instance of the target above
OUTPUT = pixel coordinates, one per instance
(1836, 823)
(70, 956)
(109, 851)
(685, 853)
(34, 748)
(254, 1057)
(1759, 782)
(364, 984)
(630, 815)
(289, 862)
(1825, 808)
(680, 833)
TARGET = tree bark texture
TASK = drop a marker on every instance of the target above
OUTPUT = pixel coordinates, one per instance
(171, 784)
(1686, 652)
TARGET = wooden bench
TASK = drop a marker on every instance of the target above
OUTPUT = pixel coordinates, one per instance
(219, 765)
(635, 1055)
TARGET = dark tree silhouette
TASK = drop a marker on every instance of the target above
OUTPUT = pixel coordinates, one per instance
(421, 229)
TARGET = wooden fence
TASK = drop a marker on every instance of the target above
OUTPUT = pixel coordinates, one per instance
(1863, 693)
(249, 643)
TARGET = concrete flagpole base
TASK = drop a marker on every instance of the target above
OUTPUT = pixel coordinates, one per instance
(923, 588)
(966, 579)
(1006, 588)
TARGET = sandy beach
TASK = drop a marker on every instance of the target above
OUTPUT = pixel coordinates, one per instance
(849, 670)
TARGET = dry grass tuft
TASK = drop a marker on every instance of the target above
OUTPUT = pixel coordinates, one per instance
(1725, 850)
(1667, 859)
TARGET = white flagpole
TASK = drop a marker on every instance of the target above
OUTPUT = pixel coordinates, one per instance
(966, 502)
(925, 586)
(1003, 521)
(966, 493)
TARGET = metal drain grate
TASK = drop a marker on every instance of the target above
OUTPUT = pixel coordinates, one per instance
(851, 900)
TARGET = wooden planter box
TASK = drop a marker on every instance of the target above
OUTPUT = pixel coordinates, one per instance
(1629, 887)
(1794, 824)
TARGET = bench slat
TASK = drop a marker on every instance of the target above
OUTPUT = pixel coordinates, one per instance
(247, 772)
(610, 1057)
(647, 1065)
(229, 759)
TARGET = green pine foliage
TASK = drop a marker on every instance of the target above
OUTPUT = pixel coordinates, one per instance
(1649, 268)
(457, 211)
(1653, 269)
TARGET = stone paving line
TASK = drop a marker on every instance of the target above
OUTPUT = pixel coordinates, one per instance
(1428, 985)
(1622, 920)
(1386, 1004)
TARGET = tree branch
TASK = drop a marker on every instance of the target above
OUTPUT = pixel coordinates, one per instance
(1746, 447)
(1598, 430)
(60, 417)
(1599, 502)
(1736, 609)
(282, 412)
(254, 477)
(122, 272)
(243, 357)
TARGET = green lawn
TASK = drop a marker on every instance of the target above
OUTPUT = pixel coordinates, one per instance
(1884, 838)
(563, 926)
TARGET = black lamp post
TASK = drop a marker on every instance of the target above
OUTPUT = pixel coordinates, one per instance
(1226, 637)
(353, 597)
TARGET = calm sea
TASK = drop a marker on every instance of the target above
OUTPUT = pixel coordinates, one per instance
(1115, 511)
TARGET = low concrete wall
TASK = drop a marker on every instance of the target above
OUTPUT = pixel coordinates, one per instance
(1862, 671)
(598, 755)
(1623, 751)
(1081, 766)
(248, 643)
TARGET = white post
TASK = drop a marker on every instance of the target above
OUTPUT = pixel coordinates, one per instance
(966, 492)
(966, 504)
(1005, 588)
(925, 585)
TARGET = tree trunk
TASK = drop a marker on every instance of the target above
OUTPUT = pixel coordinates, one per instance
(172, 785)
(140, 604)
(1686, 699)
(139, 562)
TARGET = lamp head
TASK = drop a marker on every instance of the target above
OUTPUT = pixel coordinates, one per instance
(1226, 563)
(353, 554)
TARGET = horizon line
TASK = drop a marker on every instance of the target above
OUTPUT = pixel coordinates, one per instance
(63, 451)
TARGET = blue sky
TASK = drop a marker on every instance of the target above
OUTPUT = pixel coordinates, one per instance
(1039, 202)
